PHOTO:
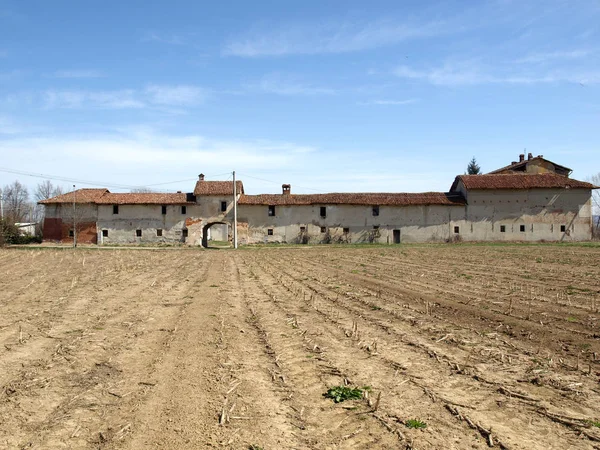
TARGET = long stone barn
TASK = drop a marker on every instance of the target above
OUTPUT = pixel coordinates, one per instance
(531, 199)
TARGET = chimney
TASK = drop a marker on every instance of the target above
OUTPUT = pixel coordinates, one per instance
(287, 189)
(522, 157)
(179, 192)
(529, 156)
(512, 163)
(201, 177)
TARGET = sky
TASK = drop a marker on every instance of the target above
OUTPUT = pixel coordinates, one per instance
(330, 96)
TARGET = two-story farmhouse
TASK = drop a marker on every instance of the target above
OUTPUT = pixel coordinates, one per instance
(530, 200)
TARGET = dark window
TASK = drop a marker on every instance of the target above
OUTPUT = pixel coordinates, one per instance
(164, 209)
(346, 230)
(138, 233)
(376, 227)
(270, 232)
(71, 234)
(271, 210)
(184, 210)
(502, 228)
(563, 228)
(522, 228)
(302, 229)
(158, 232)
(323, 211)
(104, 233)
(323, 230)
(375, 210)
(223, 206)
(184, 233)
(457, 230)
(115, 209)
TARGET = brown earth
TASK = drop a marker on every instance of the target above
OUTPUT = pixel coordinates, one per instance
(486, 345)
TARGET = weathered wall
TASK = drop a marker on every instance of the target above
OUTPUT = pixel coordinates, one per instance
(58, 223)
(541, 211)
(122, 227)
(416, 223)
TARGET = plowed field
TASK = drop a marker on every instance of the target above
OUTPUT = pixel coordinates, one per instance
(453, 347)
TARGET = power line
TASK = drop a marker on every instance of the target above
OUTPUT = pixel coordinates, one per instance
(94, 183)
(275, 182)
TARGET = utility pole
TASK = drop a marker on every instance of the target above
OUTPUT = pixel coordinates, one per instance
(74, 221)
(2, 205)
(235, 244)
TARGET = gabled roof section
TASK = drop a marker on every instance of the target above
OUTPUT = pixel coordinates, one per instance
(80, 196)
(144, 199)
(382, 199)
(519, 181)
(217, 187)
(521, 166)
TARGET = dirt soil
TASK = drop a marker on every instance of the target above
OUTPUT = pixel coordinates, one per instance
(480, 346)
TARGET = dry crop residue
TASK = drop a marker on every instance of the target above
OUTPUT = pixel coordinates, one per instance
(453, 346)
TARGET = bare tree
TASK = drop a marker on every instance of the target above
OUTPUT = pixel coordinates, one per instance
(142, 190)
(46, 190)
(16, 202)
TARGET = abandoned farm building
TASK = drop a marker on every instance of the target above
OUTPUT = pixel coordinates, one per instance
(531, 199)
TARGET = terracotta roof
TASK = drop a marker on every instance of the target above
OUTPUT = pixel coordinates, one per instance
(105, 197)
(217, 187)
(81, 196)
(519, 181)
(524, 163)
(400, 199)
(143, 199)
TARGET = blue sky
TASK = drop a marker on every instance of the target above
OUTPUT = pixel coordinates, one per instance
(328, 96)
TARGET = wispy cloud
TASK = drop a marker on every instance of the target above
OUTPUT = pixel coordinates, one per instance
(180, 95)
(78, 74)
(74, 99)
(8, 126)
(554, 56)
(172, 39)
(286, 84)
(158, 153)
(330, 37)
(389, 102)
(473, 74)
(157, 96)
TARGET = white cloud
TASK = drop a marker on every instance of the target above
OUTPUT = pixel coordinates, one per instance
(77, 99)
(331, 37)
(8, 126)
(389, 102)
(155, 156)
(281, 84)
(172, 39)
(535, 58)
(157, 96)
(78, 74)
(181, 95)
(473, 74)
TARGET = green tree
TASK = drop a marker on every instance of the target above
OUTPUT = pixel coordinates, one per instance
(473, 168)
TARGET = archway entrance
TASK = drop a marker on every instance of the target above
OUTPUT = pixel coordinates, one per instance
(216, 234)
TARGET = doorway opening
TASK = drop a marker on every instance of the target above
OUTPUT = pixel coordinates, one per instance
(215, 235)
(396, 236)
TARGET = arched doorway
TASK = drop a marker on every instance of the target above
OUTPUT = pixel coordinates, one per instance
(220, 233)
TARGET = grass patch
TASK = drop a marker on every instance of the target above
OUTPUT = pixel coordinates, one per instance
(594, 423)
(255, 447)
(572, 319)
(415, 424)
(342, 393)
